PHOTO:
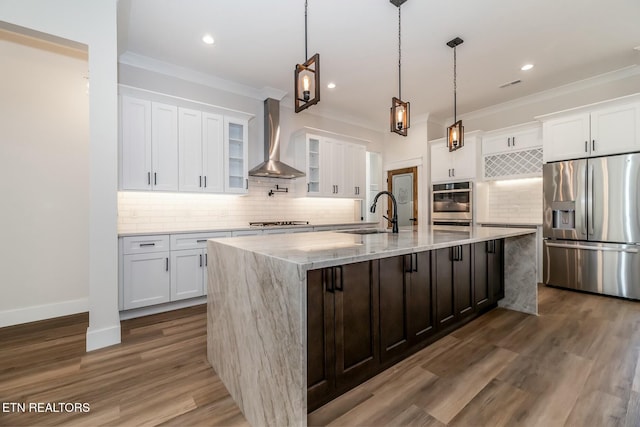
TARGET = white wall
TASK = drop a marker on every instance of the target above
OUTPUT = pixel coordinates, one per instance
(92, 23)
(44, 180)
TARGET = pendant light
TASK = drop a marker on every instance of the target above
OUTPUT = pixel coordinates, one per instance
(399, 120)
(307, 76)
(455, 132)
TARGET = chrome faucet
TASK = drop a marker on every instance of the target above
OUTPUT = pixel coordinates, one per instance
(394, 218)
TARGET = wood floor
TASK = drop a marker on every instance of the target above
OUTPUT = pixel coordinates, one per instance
(577, 364)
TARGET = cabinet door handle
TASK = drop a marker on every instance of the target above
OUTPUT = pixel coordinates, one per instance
(341, 288)
(205, 181)
(307, 187)
(449, 172)
(586, 146)
(200, 185)
(509, 142)
(148, 178)
(206, 260)
(166, 268)
(460, 253)
(513, 141)
(409, 268)
(246, 183)
(328, 281)
(155, 178)
(453, 172)
(414, 265)
(593, 145)
(142, 245)
(200, 260)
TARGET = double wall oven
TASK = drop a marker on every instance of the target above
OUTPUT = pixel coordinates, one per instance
(452, 204)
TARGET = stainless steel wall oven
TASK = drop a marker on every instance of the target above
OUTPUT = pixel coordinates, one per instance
(452, 204)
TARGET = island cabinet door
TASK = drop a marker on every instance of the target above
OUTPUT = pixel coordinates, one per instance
(452, 278)
(395, 278)
(420, 299)
(357, 333)
(495, 269)
(320, 337)
(488, 273)
(483, 292)
(442, 262)
(463, 293)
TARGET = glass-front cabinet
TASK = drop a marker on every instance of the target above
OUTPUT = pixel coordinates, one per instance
(236, 156)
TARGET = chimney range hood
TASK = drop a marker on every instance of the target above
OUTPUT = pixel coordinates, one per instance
(272, 167)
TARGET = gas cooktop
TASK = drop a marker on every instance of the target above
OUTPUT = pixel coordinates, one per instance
(277, 223)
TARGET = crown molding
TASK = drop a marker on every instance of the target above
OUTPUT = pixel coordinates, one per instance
(183, 73)
(611, 76)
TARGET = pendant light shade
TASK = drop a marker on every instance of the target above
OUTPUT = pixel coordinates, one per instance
(307, 76)
(399, 117)
(455, 132)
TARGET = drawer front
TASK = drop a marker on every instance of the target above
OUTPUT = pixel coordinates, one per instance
(194, 240)
(246, 233)
(145, 244)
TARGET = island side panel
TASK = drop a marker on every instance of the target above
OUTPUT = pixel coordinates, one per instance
(256, 333)
(520, 274)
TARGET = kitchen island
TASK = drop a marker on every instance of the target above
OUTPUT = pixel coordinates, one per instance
(268, 293)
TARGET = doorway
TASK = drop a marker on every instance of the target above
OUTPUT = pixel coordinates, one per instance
(403, 184)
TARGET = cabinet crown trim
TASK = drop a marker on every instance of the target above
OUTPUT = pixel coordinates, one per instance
(627, 99)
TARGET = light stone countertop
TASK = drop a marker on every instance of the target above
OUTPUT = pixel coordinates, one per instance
(330, 248)
(245, 228)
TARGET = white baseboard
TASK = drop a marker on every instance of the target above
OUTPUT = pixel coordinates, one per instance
(105, 337)
(41, 312)
(161, 308)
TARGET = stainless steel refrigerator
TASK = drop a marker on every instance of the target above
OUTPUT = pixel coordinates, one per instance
(592, 225)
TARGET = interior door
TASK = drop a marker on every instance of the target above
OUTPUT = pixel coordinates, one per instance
(403, 184)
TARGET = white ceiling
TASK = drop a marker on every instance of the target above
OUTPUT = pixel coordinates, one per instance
(259, 42)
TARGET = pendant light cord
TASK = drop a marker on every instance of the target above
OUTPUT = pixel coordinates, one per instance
(399, 54)
(455, 86)
(306, 55)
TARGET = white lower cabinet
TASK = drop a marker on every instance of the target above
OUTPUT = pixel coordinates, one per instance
(159, 269)
(187, 274)
(144, 270)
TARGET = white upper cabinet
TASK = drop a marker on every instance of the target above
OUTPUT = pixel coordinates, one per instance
(522, 137)
(236, 158)
(170, 148)
(148, 145)
(355, 171)
(332, 168)
(459, 165)
(201, 151)
(190, 124)
(213, 153)
(610, 128)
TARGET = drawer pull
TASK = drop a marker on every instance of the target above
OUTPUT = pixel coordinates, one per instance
(142, 245)
(201, 240)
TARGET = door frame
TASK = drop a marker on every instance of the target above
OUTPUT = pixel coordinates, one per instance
(390, 174)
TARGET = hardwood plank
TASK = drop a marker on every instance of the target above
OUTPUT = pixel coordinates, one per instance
(598, 409)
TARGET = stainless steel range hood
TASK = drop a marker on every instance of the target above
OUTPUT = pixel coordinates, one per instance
(272, 167)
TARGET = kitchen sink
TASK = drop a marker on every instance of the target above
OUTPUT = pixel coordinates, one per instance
(365, 231)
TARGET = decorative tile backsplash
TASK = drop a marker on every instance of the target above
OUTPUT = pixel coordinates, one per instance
(510, 201)
(158, 211)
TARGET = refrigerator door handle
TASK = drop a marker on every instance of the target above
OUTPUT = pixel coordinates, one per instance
(590, 196)
(593, 248)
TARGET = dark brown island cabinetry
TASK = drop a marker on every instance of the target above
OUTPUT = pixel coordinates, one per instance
(342, 329)
(406, 303)
(364, 317)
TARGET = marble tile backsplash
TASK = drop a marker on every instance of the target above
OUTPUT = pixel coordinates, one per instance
(160, 211)
(512, 201)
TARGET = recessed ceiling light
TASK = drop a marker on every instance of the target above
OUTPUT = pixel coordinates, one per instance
(526, 67)
(331, 85)
(208, 39)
